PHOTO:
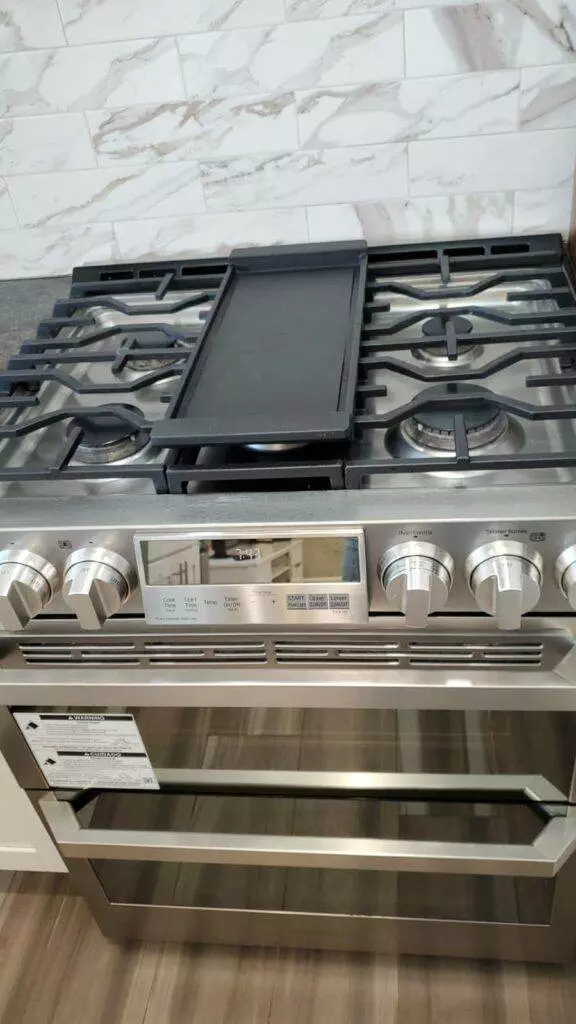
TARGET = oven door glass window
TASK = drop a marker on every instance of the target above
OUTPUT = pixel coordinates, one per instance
(319, 739)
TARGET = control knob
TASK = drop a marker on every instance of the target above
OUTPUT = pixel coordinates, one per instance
(566, 574)
(97, 582)
(28, 581)
(505, 578)
(416, 577)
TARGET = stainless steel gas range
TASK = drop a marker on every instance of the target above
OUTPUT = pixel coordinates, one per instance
(288, 593)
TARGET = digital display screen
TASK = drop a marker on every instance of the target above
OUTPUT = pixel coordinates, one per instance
(181, 562)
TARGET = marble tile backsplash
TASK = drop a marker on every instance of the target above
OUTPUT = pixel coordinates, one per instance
(141, 130)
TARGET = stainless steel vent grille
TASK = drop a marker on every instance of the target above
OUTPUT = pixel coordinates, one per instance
(38, 652)
(487, 653)
(368, 649)
(161, 652)
(440, 653)
(346, 652)
(142, 653)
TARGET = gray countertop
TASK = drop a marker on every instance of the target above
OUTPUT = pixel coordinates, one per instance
(22, 305)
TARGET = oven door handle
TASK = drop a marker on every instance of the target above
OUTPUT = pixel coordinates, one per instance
(542, 858)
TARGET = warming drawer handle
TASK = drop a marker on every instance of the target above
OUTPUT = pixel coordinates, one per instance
(542, 858)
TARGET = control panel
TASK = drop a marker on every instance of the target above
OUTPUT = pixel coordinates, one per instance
(290, 576)
(244, 579)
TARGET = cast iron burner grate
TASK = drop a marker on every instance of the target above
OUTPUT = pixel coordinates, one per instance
(524, 338)
(120, 351)
(134, 356)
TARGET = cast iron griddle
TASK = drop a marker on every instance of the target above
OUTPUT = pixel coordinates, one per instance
(278, 358)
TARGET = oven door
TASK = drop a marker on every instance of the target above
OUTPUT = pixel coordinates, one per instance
(435, 830)
(464, 865)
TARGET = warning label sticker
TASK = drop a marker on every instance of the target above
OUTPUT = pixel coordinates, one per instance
(84, 751)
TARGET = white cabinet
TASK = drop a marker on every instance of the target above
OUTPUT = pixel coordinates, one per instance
(25, 844)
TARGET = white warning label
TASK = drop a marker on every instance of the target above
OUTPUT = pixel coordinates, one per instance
(84, 751)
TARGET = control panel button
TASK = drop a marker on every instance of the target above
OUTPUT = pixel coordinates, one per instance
(416, 577)
(27, 583)
(97, 582)
(566, 574)
(505, 578)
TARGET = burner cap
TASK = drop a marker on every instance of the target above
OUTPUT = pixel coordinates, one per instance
(434, 427)
(436, 325)
(107, 438)
(437, 354)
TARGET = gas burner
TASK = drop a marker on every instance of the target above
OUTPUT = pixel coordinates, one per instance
(147, 365)
(107, 439)
(433, 429)
(435, 327)
(137, 363)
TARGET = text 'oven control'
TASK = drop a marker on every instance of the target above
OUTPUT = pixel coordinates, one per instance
(27, 583)
(566, 574)
(505, 578)
(97, 582)
(416, 577)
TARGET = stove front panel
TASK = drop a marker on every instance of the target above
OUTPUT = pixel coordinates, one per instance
(296, 561)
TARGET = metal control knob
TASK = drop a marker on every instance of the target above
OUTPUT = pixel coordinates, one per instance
(566, 574)
(416, 578)
(97, 582)
(505, 578)
(27, 583)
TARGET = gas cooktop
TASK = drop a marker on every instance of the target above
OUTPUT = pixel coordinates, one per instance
(301, 367)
